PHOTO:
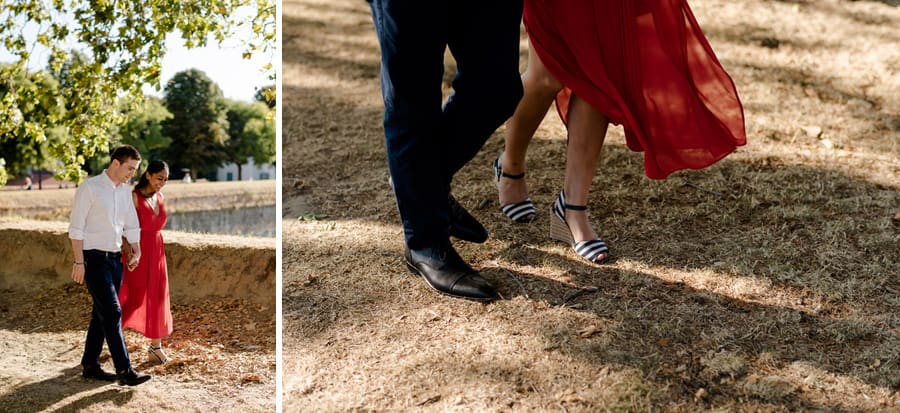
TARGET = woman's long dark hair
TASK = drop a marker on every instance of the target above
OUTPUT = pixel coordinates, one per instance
(154, 167)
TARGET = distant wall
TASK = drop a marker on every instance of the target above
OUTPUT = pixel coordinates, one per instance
(38, 254)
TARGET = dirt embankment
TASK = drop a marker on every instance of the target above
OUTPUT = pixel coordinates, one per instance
(38, 255)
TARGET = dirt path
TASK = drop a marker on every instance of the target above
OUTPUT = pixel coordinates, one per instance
(223, 358)
(767, 282)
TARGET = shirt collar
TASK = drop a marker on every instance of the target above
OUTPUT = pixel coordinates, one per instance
(109, 180)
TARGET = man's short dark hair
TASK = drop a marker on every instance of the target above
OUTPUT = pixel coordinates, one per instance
(124, 153)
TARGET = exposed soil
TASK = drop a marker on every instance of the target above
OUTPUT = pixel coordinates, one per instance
(768, 282)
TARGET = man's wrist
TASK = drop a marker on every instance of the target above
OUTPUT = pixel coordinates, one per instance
(78, 263)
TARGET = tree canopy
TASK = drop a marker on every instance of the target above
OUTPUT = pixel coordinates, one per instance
(251, 133)
(199, 123)
(143, 127)
(121, 47)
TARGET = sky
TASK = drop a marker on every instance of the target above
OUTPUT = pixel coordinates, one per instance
(237, 77)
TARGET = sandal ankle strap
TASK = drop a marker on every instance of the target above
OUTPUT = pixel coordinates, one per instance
(561, 203)
(508, 176)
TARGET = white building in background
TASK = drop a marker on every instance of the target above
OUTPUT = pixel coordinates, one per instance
(249, 172)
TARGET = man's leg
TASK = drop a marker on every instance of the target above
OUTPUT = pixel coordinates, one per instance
(484, 40)
(413, 37)
(93, 344)
(103, 276)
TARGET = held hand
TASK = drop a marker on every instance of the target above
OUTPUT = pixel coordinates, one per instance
(134, 260)
(78, 273)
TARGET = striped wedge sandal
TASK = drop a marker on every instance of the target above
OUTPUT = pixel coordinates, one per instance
(520, 212)
(591, 249)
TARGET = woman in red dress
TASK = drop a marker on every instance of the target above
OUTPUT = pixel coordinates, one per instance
(643, 64)
(144, 295)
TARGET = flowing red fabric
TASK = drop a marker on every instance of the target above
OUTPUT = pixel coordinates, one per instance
(647, 66)
(144, 296)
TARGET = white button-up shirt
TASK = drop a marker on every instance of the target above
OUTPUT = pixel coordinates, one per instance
(102, 212)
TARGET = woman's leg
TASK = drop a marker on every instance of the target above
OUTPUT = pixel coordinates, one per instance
(540, 90)
(587, 130)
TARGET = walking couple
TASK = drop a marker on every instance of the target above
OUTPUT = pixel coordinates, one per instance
(645, 65)
(114, 226)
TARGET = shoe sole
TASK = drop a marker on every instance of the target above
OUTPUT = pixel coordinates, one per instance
(416, 271)
(560, 231)
(137, 382)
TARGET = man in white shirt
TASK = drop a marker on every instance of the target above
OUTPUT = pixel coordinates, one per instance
(104, 213)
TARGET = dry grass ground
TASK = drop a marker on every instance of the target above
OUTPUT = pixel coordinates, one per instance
(768, 282)
(55, 204)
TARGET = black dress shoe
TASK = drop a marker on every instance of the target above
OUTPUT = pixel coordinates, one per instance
(446, 272)
(132, 378)
(97, 373)
(464, 226)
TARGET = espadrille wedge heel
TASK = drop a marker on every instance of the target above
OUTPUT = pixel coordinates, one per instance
(590, 250)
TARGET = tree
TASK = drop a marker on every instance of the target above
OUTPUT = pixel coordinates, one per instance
(123, 43)
(252, 134)
(38, 110)
(199, 124)
(143, 127)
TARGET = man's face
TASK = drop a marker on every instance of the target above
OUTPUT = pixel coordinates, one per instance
(122, 172)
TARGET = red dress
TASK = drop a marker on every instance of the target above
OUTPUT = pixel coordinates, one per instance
(144, 295)
(647, 66)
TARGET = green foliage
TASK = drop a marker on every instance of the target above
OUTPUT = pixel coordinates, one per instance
(199, 124)
(122, 45)
(143, 128)
(38, 109)
(266, 94)
(251, 132)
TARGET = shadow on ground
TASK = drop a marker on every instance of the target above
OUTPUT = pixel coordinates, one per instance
(43, 394)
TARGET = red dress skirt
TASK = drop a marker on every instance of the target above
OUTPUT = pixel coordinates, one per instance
(647, 66)
(144, 295)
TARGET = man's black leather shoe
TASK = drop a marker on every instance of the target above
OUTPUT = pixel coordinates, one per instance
(97, 373)
(446, 272)
(464, 226)
(132, 378)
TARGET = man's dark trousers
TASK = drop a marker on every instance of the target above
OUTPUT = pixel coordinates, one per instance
(426, 143)
(103, 278)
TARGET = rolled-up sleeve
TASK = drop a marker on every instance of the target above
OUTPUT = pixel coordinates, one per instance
(132, 224)
(80, 208)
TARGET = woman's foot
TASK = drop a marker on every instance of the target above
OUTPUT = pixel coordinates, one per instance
(582, 231)
(513, 193)
(157, 355)
(569, 223)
